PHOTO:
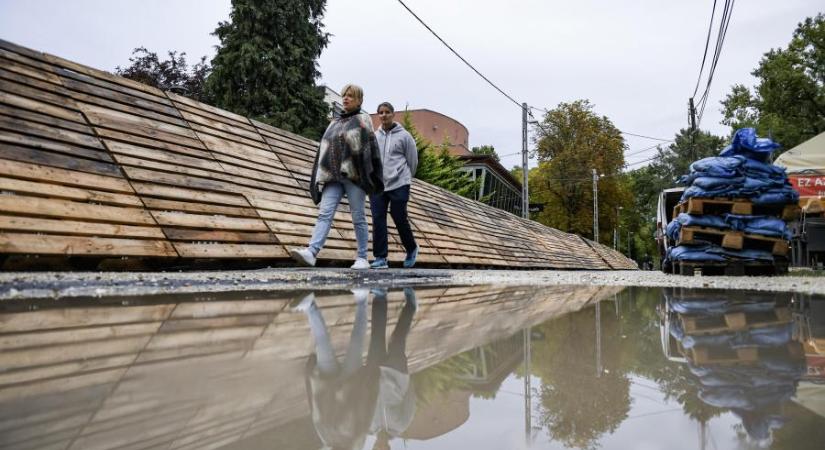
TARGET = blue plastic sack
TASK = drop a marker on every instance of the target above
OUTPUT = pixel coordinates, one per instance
(746, 143)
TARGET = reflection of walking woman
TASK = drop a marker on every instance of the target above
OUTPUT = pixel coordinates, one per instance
(348, 161)
(341, 394)
(399, 159)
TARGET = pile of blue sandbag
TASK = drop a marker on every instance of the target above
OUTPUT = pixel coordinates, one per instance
(742, 171)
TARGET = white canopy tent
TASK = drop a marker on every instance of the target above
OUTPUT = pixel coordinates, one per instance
(805, 164)
(807, 157)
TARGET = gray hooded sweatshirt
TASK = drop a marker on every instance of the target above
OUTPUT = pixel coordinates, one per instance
(399, 157)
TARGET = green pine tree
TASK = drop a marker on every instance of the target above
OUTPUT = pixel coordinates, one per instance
(437, 166)
(265, 67)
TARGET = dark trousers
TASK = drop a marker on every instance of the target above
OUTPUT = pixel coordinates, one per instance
(394, 356)
(396, 201)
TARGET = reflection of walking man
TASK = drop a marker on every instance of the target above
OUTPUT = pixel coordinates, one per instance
(348, 399)
(395, 406)
(399, 158)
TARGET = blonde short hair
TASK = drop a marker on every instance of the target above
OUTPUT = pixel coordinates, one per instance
(355, 90)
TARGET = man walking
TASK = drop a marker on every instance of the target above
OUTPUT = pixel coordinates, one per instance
(399, 159)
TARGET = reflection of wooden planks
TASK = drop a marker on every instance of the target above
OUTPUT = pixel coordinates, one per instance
(217, 368)
(706, 355)
(735, 321)
(90, 162)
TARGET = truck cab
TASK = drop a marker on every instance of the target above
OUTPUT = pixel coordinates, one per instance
(668, 199)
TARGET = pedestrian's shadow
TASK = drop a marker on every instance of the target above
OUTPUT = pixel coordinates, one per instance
(349, 399)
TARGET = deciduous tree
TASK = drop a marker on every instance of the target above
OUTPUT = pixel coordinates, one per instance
(173, 74)
(788, 101)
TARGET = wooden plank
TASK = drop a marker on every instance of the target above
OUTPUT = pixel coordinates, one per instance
(202, 221)
(48, 207)
(28, 71)
(178, 234)
(196, 104)
(65, 63)
(121, 88)
(23, 90)
(76, 228)
(204, 161)
(45, 158)
(45, 337)
(69, 193)
(41, 108)
(68, 177)
(204, 114)
(231, 148)
(223, 131)
(117, 119)
(124, 102)
(203, 208)
(84, 139)
(230, 250)
(33, 117)
(75, 245)
(153, 142)
(182, 193)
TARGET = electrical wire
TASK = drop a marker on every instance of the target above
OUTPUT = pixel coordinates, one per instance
(459, 56)
(724, 23)
(705, 55)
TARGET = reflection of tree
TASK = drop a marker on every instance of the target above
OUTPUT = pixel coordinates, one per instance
(450, 374)
(576, 405)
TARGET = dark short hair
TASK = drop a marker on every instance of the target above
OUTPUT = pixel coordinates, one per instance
(387, 104)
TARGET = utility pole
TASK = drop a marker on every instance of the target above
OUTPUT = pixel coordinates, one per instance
(595, 207)
(525, 194)
(692, 115)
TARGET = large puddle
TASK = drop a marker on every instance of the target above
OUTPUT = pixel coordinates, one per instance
(432, 368)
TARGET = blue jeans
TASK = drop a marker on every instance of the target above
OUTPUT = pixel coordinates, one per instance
(330, 198)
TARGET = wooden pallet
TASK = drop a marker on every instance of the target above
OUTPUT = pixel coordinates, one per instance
(730, 267)
(717, 206)
(731, 239)
(706, 355)
(734, 321)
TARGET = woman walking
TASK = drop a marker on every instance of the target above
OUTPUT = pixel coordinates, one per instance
(348, 162)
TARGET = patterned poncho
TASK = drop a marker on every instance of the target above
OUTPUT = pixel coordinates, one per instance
(348, 150)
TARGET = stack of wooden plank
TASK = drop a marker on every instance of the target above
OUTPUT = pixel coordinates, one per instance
(733, 239)
(101, 167)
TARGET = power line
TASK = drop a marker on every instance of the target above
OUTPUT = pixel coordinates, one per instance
(705, 55)
(620, 131)
(724, 22)
(459, 56)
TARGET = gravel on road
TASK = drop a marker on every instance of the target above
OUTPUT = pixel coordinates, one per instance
(33, 285)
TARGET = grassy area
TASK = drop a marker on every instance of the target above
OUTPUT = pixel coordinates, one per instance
(805, 272)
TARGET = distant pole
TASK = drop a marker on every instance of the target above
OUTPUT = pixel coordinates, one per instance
(528, 391)
(629, 255)
(595, 206)
(616, 230)
(525, 196)
(692, 113)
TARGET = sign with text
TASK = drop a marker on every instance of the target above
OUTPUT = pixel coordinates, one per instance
(808, 185)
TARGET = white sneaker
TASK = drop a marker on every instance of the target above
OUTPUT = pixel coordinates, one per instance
(360, 264)
(306, 304)
(303, 256)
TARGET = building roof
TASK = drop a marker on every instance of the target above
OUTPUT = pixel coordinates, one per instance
(494, 165)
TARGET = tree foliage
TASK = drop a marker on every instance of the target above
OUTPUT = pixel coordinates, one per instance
(485, 150)
(788, 101)
(572, 140)
(437, 166)
(173, 74)
(265, 66)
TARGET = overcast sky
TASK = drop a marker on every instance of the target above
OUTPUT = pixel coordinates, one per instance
(636, 61)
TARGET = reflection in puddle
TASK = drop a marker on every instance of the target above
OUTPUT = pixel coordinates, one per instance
(435, 368)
